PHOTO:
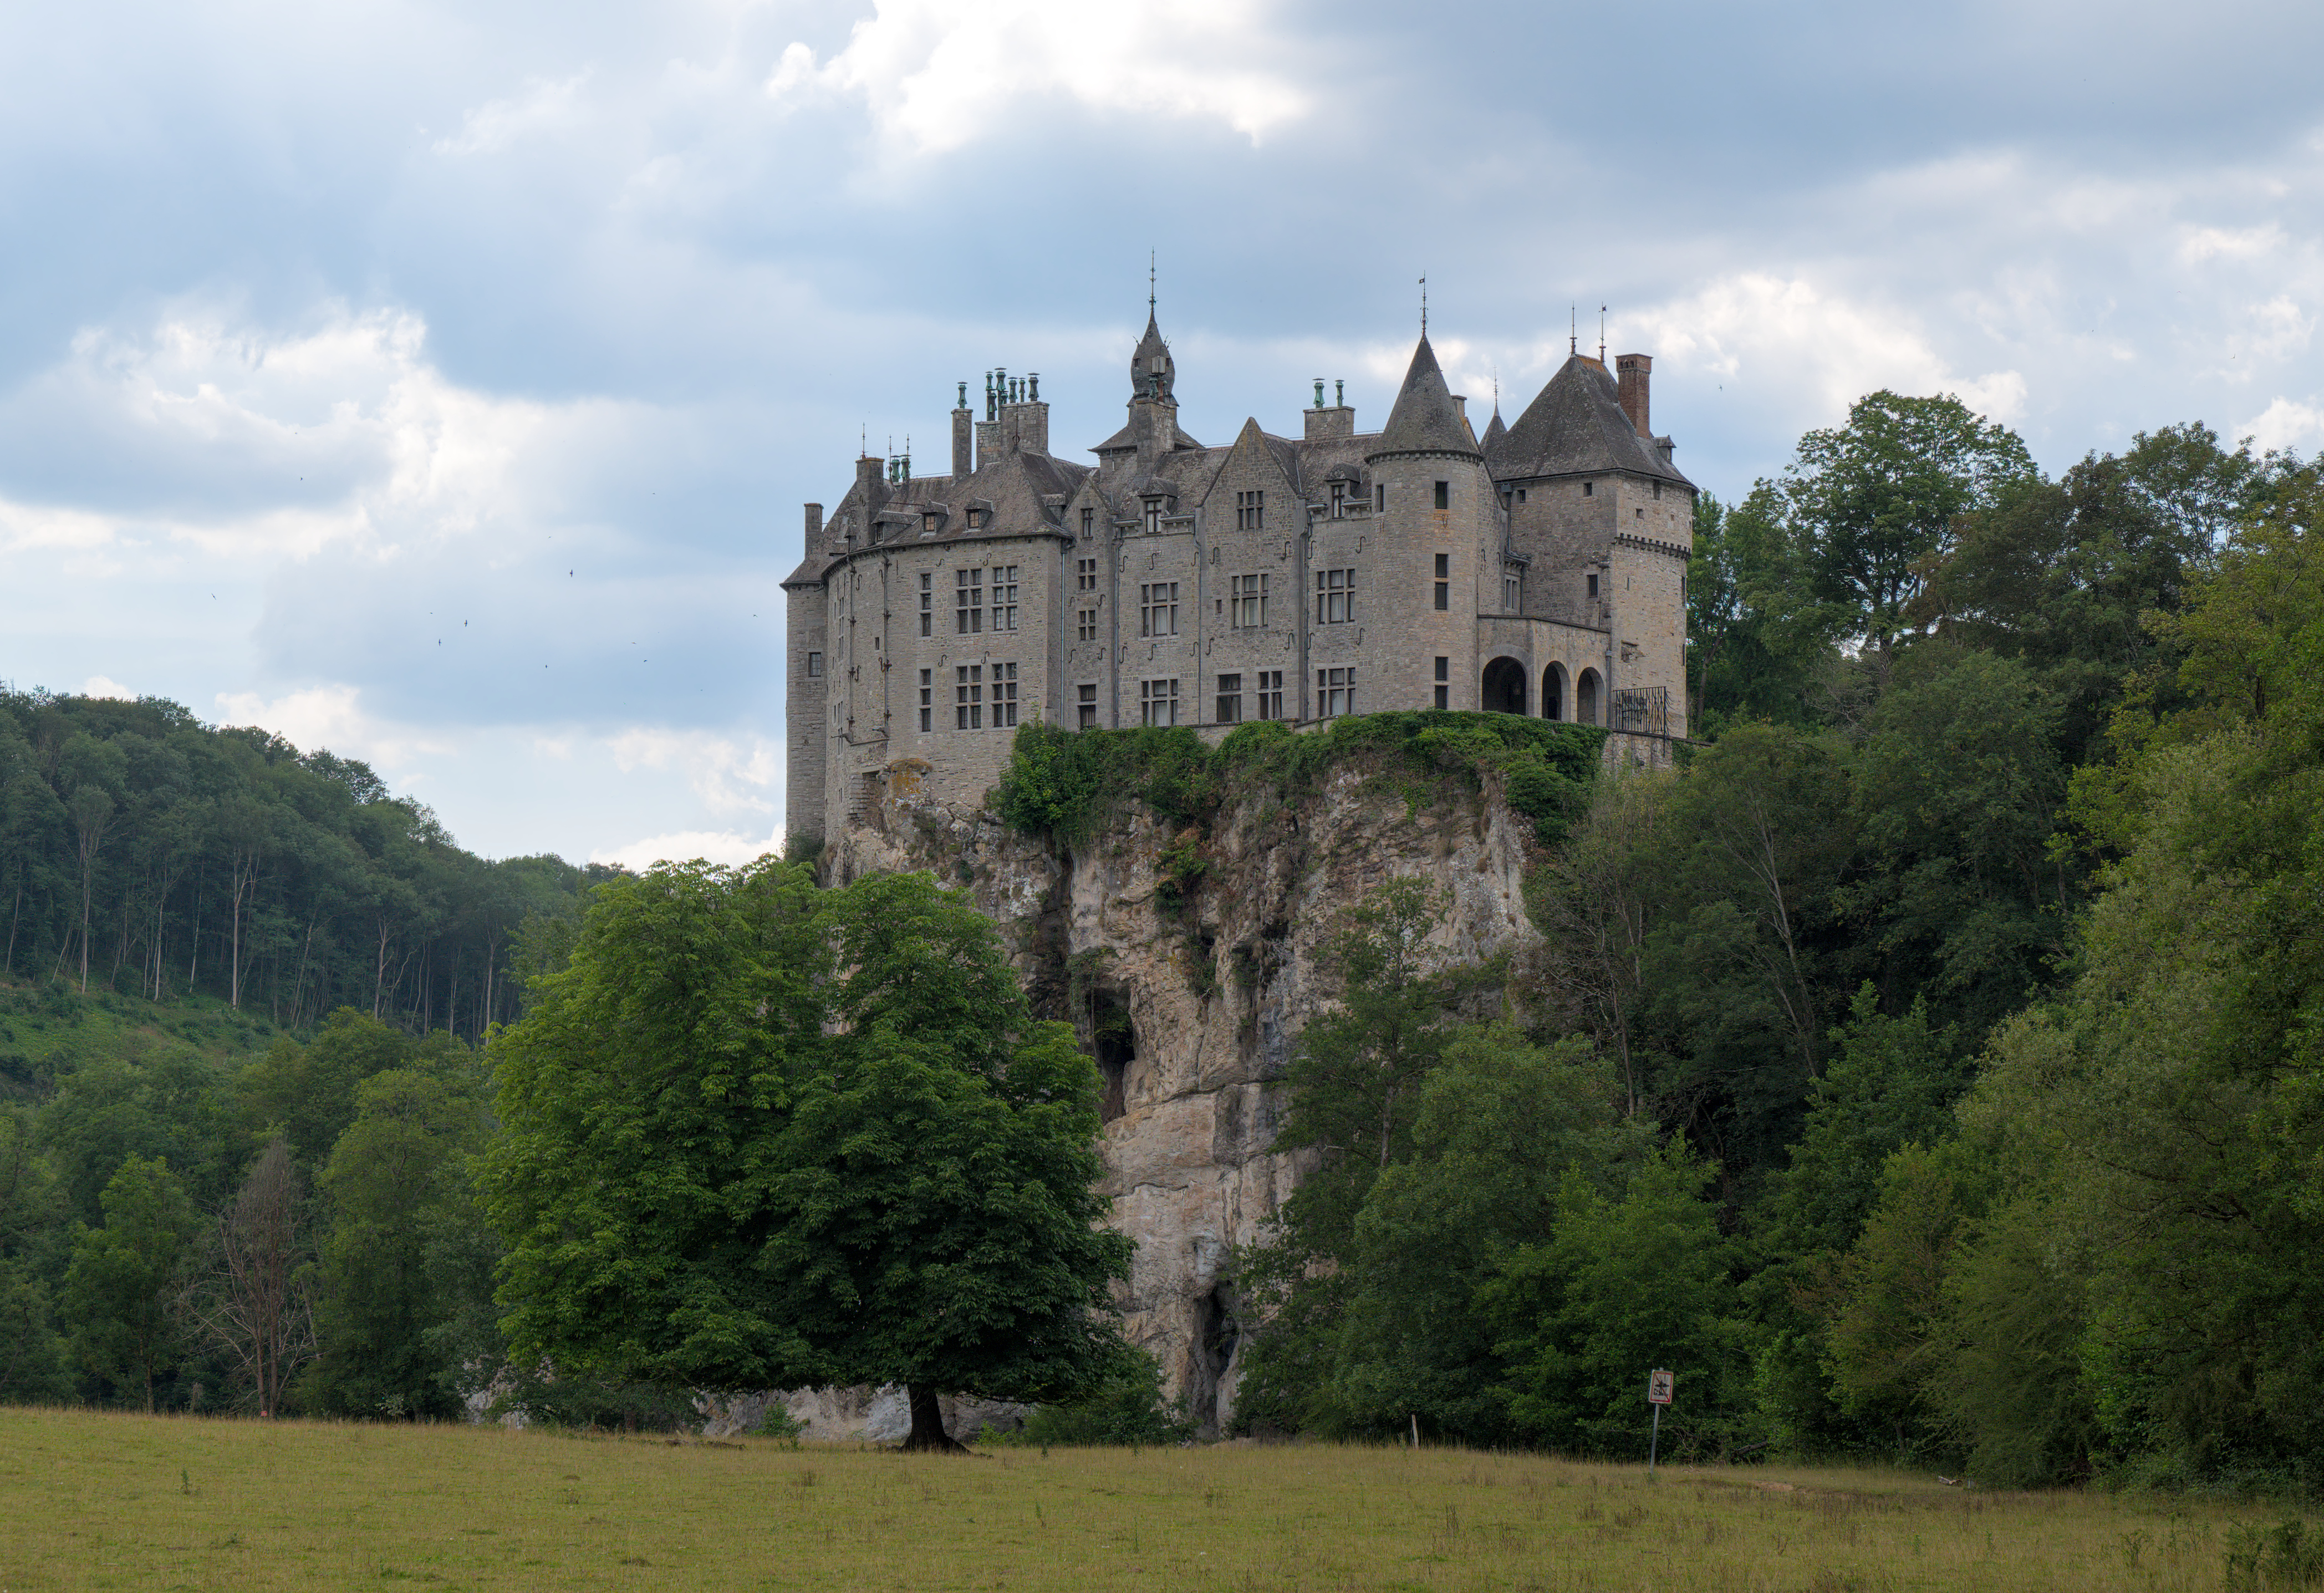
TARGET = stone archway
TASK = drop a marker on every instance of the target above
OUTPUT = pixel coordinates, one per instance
(1503, 687)
(1586, 694)
(1553, 693)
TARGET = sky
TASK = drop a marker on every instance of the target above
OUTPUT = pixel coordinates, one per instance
(441, 384)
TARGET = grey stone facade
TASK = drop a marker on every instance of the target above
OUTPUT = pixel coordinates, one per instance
(1540, 570)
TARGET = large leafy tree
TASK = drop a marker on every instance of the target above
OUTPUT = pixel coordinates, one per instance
(1869, 505)
(123, 1276)
(757, 1135)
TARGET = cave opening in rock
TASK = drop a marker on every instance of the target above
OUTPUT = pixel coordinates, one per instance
(1117, 1047)
(1218, 1329)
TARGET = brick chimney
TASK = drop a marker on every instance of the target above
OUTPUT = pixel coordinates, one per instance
(1632, 370)
(964, 458)
(814, 525)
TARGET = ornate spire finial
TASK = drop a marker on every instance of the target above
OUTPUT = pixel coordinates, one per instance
(1150, 285)
(1573, 328)
(1601, 334)
(1424, 306)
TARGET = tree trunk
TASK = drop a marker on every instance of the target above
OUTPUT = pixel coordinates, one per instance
(927, 1423)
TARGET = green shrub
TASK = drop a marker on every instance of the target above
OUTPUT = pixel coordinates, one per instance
(1063, 784)
(1127, 1410)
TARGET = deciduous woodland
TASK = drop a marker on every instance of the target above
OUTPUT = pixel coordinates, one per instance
(1926, 1066)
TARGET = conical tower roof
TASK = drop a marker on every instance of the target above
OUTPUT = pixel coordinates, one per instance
(1494, 430)
(1425, 419)
(1575, 427)
(1152, 372)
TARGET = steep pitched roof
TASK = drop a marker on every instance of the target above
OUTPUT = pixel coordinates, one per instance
(1494, 429)
(1425, 419)
(1575, 427)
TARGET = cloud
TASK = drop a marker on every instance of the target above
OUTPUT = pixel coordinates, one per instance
(491, 128)
(333, 717)
(100, 686)
(2287, 423)
(937, 74)
(1790, 333)
(726, 773)
(684, 846)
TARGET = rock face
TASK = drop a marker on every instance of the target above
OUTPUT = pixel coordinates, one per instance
(1192, 998)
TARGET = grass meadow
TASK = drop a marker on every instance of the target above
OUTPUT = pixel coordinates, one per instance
(101, 1500)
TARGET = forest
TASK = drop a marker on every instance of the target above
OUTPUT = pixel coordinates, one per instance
(1929, 1065)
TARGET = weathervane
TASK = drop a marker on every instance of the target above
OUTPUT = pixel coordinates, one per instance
(1424, 306)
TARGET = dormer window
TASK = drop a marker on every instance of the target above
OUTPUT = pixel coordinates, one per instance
(1339, 500)
(1153, 516)
(976, 519)
(928, 525)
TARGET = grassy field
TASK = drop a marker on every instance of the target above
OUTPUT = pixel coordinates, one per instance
(118, 1501)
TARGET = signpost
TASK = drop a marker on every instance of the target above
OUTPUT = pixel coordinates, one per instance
(1658, 1394)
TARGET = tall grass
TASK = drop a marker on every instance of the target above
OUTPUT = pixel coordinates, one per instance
(116, 1501)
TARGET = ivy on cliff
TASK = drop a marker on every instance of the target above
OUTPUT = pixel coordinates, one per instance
(1065, 783)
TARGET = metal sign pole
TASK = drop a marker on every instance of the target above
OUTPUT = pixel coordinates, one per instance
(1658, 1394)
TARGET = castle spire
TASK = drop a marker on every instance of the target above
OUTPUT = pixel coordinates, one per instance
(1425, 419)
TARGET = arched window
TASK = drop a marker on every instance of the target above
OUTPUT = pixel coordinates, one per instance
(1553, 693)
(1585, 698)
(1504, 686)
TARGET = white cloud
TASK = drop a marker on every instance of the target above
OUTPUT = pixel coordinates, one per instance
(2287, 423)
(726, 774)
(333, 717)
(684, 846)
(1786, 332)
(347, 427)
(937, 73)
(101, 686)
(494, 126)
(2201, 244)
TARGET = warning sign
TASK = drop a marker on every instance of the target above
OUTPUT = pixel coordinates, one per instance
(1658, 1388)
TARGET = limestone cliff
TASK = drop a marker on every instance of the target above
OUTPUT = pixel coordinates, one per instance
(1192, 995)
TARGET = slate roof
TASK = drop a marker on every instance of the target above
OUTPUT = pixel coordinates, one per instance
(1576, 427)
(1425, 419)
(1494, 429)
(1019, 488)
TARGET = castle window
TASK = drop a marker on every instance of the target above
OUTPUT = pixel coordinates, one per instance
(1004, 697)
(1521, 495)
(1086, 631)
(815, 666)
(1336, 596)
(1158, 610)
(1089, 522)
(1512, 591)
(1153, 516)
(968, 697)
(928, 525)
(1444, 581)
(1587, 488)
(1270, 694)
(1658, 491)
(1086, 706)
(968, 602)
(1339, 500)
(1443, 495)
(976, 520)
(927, 603)
(1379, 498)
(1004, 597)
(1158, 702)
(1444, 678)
(1335, 693)
(1085, 573)
(1251, 510)
(927, 699)
(1230, 699)
(1593, 584)
(1250, 599)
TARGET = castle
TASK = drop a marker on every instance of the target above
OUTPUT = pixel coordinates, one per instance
(1539, 570)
